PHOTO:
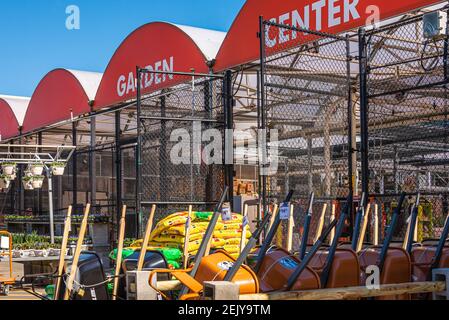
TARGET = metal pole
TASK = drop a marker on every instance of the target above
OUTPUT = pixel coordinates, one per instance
(229, 118)
(310, 165)
(50, 205)
(352, 140)
(139, 155)
(208, 106)
(163, 159)
(39, 191)
(93, 162)
(20, 173)
(74, 168)
(262, 113)
(118, 166)
(363, 65)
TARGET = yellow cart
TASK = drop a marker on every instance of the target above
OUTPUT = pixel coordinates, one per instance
(6, 251)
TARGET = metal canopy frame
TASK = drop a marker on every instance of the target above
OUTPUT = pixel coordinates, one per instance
(37, 155)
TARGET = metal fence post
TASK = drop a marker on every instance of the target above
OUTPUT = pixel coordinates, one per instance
(118, 167)
(139, 156)
(93, 163)
(262, 115)
(364, 150)
(229, 126)
(74, 168)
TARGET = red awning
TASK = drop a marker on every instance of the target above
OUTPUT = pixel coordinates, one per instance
(60, 95)
(9, 126)
(242, 46)
(158, 46)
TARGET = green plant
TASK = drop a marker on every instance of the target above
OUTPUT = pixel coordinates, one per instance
(8, 163)
(58, 164)
(37, 165)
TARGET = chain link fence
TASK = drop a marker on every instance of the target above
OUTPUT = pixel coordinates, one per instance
(306, 99)
(408, 139)
(174, 140)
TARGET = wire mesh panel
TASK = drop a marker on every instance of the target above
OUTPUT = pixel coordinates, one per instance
(178, 126)
(305, 100)
(408, 112)
(432, 212)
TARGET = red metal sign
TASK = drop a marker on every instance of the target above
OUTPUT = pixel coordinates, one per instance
(157, 46)
(331, 16)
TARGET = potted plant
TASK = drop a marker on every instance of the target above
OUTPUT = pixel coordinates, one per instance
(58, 168)
(28, 183)
(37, 182)
(9, 168)
(5, 181)
(37, 169)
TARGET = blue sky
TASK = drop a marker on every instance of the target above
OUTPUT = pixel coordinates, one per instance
(34, 38)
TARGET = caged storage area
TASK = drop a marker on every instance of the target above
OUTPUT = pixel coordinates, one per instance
(404, 95)
(286, 177)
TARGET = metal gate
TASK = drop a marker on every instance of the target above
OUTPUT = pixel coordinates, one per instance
(198, 103)
(405, 115)
(306, 98)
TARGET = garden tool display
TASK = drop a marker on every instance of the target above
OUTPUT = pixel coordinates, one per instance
(142, 259)
(280, 270)
(326, 270)
(205, 244)
(364, 228)
(69, 292)
(269, 239)
(61, 265)
(357, 222)
(394, 263)
(337, 266)
(410, 234)
(306, 230)
(118, 262)
(429, 257)
(216, 267)
(320, 226)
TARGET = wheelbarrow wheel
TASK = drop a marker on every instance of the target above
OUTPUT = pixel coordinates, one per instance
(5, 290)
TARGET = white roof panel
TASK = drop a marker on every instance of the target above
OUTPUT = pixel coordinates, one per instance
(90, 81)
(209, 41)
(19, 106)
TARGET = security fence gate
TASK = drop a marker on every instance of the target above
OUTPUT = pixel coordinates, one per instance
(306, 97)
(405, 116)
(177, 127)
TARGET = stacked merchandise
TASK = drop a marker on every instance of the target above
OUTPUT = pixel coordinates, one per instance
(169, 236)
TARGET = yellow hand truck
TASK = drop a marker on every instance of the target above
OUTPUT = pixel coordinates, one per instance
(6, 251)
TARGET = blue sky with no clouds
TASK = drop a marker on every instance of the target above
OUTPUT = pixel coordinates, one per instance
(34, 38)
